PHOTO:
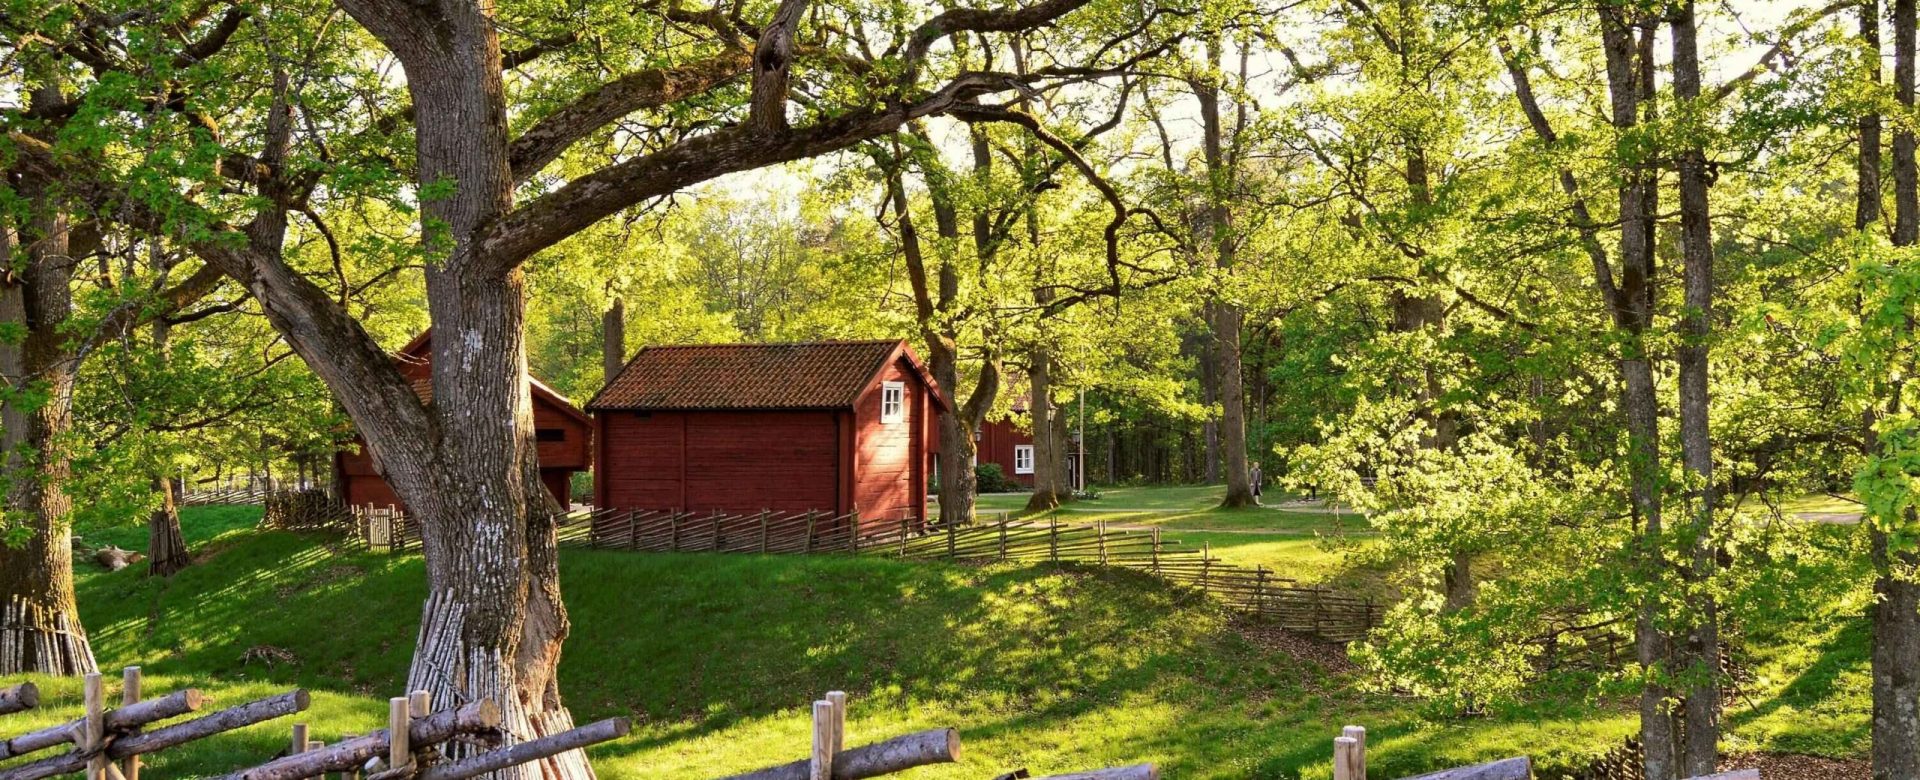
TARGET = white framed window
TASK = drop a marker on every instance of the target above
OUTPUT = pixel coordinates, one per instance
(893, 402)
(1023, 459)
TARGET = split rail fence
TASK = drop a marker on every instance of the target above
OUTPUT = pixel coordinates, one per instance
(107, 744)
(1253, 590)
(828, 758)
(1257, 591)
(1350, 763)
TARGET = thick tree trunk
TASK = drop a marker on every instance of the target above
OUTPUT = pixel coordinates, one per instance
(1895, 613)
(494, 622)
(1049, 452)
(40, 630)
(613, 340)
(1701, 747)
(166, 545)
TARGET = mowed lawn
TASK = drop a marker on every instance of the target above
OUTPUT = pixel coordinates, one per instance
(1298, 540)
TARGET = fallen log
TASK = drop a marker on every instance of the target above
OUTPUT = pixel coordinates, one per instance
(527, 752)
(19, 698)
(1520, 768)
(1135, 772)
(481, 717)
(121, 720)
(935, 746)
(231, 718)
(1737, 774)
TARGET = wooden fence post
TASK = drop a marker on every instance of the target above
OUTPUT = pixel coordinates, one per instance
(953, 530)
(853, 532)
(715, 542)
(1100, 536)
(839, 701)
(95, 728)
(1003, 537)
(129, 695)
(1260, 591)
(399, 719)
(1053, 539)
(1349, 758)
(1317, 608)
(1356, 758)
(1206, 566)
(808, 547)
(904, 525)
(763, 531)
(1156, 549)
(821, 765)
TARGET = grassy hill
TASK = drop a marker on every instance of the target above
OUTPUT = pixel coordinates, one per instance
(717, 656)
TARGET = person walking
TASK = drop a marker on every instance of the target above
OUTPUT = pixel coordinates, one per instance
(1253, 478)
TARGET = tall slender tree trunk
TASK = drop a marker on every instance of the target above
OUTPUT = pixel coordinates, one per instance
(1628, 44)
(1210, 395)
(40, 629)
(1701, 747)
(1895, 614)
(1223, 313)
(613, 339)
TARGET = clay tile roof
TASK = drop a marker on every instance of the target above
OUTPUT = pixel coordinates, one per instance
(808, 375)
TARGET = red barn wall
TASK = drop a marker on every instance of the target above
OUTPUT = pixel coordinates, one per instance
(361, 485)
(890, 460)
(725, 461)
(996, 443)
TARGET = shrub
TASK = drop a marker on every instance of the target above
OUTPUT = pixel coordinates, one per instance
(988, 478)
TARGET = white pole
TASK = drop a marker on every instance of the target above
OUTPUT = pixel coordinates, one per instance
(1080, 474)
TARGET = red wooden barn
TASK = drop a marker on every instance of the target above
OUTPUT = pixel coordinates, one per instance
(1008, 441)
(563, 433)
(832, 426)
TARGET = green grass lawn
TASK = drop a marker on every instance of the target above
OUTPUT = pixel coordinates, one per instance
(716, 657)
(1306, 544)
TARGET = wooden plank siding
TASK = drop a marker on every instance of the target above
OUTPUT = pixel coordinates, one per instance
(725, 461)
(828, 452)
(888, 456)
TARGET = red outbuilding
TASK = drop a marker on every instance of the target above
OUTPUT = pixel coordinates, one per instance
(563, 434)
(832, 426)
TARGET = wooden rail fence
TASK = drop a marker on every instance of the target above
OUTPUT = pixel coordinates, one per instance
(828, 758)
(1257, 591)
(107, 743)
(1350, 763)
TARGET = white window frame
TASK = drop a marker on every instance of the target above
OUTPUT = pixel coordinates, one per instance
(1018, 451)
(894, 394)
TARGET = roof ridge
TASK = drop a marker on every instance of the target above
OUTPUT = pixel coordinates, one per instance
(810, 343)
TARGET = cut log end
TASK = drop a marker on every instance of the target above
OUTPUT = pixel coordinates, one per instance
(19, 698)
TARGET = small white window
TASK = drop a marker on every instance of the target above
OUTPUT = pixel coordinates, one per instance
(1023, 459)
(893, 402)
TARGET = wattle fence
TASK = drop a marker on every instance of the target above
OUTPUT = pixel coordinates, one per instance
(1251, 590)
(1256, 591)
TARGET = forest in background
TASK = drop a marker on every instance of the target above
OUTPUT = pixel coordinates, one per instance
(1586, 287)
